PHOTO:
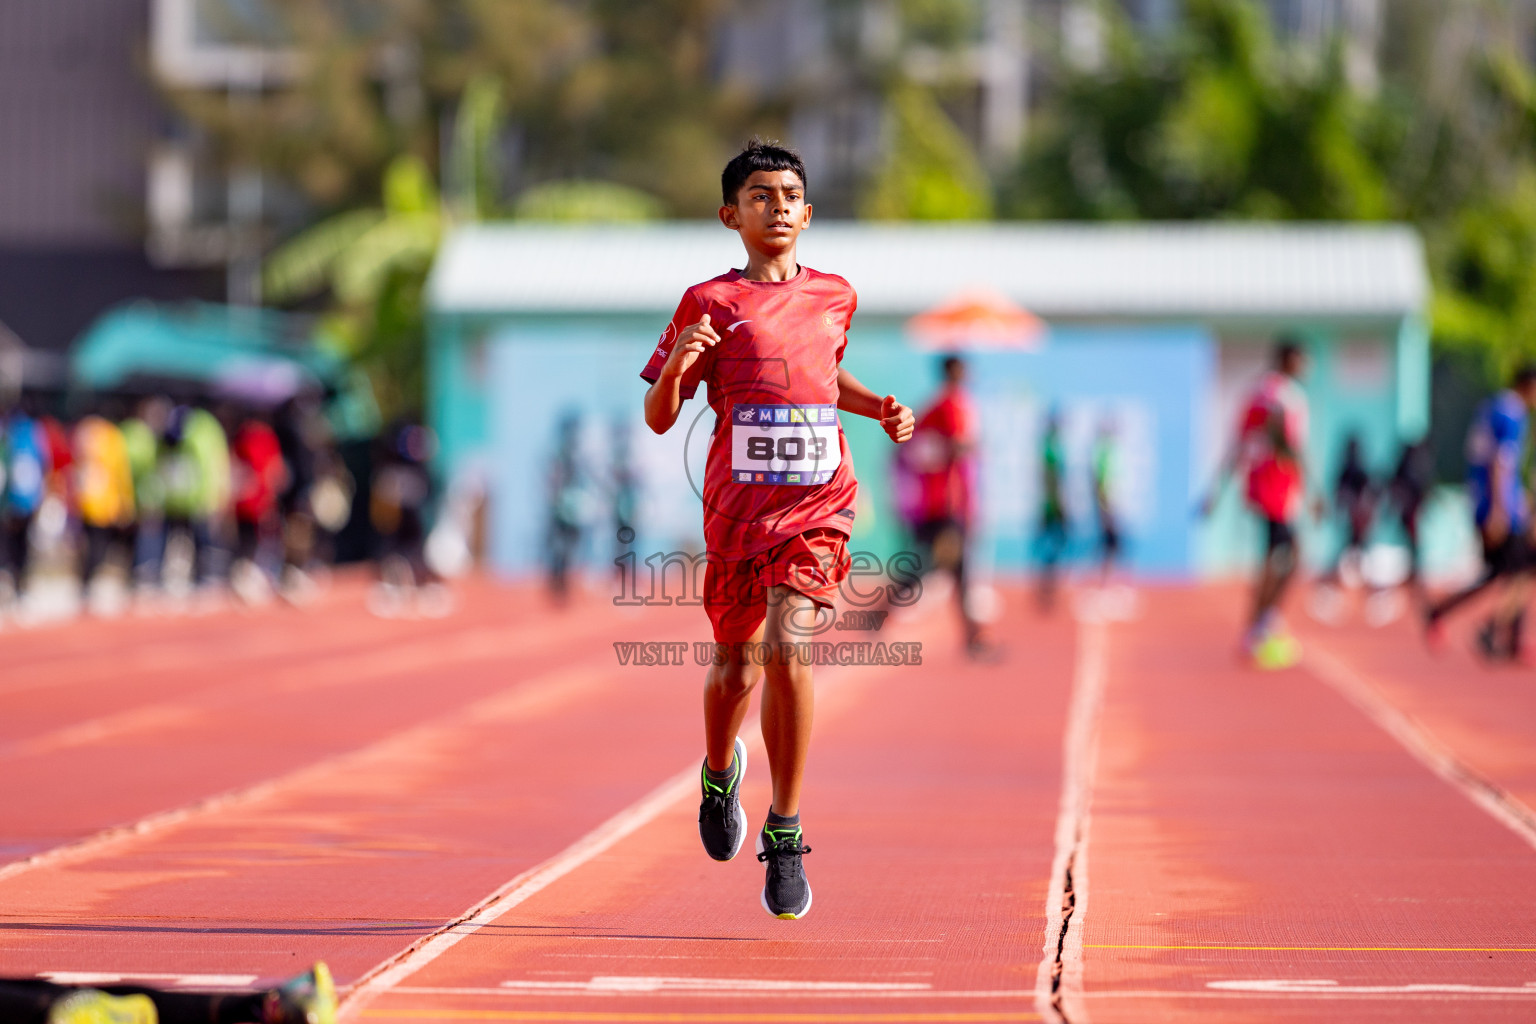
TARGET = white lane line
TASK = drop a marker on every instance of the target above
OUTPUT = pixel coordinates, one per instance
(351, 667)
(829, 993)
(174, 980)
(522, 698)
(833, 694)
(1059, 980)
(1491, 994)
(676, 983)
(1502, 805)
(418, 955)
(1329, 988)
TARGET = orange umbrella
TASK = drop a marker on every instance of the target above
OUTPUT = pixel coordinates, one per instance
(976, 319)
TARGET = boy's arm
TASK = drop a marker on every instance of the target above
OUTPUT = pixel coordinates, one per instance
(664, 399)
(854, 397)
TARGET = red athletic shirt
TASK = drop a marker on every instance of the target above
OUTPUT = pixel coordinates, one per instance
(259, 471)
(946, 483)
(778, 463)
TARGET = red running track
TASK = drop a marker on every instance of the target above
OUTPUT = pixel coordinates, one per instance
(489, 818)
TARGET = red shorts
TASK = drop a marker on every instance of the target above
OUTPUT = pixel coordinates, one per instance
(813, 563)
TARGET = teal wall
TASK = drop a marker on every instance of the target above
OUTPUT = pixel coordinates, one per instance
(498, 385)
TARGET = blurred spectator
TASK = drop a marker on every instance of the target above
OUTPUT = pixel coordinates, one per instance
(25, 462)
(259, 476)
(143, 436)
(103, 488)
(567, 501)
(301, 435)
(402, 487)
(1054, 526)
(1408, 490)
(1354, 498)
(1106, 477)
(935, 474)
(197, 489)
(626, 500)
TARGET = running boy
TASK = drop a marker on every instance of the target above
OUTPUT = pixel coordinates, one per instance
(1270, 445)
(778, 492)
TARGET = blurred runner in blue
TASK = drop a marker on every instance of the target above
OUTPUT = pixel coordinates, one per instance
(1496, 451)
(24, 468)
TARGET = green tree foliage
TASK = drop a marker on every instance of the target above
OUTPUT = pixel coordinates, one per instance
(1212, 123)
(374, 263)
(1221, 120)
(931, 172)
(586, 202)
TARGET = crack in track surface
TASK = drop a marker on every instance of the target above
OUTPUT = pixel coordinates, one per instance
(1058, 982)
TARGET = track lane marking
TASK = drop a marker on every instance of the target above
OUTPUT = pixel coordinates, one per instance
(233, 981)
(365, 664)
(1059, 978)
(519, 888)
(1273, 986)
(835, 692)
(524, 697)
(830, 992)
(1503, 806)
(1331, 949)
(1406, 997)
(704, 1018)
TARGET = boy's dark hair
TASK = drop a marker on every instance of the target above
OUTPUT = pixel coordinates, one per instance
(759, 155)
(950, 365)
(1525, 376)
(1287, 350)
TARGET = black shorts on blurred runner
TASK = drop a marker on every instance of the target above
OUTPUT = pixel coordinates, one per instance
(1279, 536)
(1511, 555)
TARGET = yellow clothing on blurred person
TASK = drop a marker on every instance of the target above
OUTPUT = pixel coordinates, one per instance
(103, 474)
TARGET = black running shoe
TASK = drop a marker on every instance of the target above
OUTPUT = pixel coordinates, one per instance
(786, 893)
(722, 822)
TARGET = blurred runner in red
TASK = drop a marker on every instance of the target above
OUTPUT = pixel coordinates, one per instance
(1269, 448)
(778, 492)
(936, 484)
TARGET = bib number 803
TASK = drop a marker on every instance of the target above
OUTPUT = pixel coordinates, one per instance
(788, 449)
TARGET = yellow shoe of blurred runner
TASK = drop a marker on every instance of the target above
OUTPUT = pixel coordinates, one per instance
(90, 1006)
(309, 998)
(1277, 651)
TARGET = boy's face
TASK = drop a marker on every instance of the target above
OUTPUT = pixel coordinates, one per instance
(770, 210)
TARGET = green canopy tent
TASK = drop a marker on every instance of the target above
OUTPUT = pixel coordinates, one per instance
(255, 355)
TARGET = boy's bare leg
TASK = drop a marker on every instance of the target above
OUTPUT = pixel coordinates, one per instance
(727, 692)
(788, 697)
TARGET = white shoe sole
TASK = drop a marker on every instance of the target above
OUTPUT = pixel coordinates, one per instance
(742, 824)
(763, 896)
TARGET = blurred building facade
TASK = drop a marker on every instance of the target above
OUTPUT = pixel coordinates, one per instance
(78, 123)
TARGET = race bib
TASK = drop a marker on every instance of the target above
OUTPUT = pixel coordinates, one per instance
(784, 444)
